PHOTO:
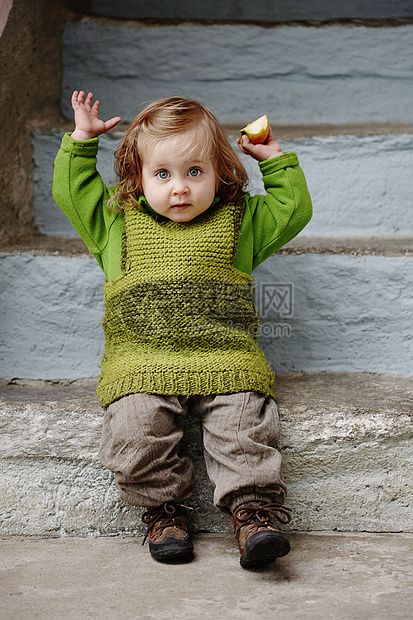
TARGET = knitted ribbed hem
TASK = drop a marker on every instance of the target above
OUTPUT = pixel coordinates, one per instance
(85, 148)
(184, 383)
(276, 494)
(270, 166)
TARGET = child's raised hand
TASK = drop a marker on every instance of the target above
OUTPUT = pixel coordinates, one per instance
(266, 150)
(87, 122)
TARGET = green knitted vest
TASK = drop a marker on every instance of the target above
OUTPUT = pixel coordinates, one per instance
(181, 319)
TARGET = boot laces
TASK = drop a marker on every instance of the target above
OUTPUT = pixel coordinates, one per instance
(163, 516)
(252, 514)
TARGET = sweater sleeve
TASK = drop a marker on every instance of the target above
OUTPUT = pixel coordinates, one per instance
(79, 191)
(273, 219)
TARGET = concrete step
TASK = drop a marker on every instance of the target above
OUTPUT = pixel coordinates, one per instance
(350, 197)
(295, 74)
(346, 445)
(346, 306)
(346, 576)
(249, 10)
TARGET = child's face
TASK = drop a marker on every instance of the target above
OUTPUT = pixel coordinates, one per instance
(177, 184)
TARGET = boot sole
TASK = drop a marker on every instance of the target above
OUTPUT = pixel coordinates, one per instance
(172, 551)
(264, 548)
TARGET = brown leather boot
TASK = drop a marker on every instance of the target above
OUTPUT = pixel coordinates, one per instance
(259, 540)
(168, 533)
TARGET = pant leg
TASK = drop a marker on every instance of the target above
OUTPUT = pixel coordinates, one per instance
(141, 444)
(241, 434)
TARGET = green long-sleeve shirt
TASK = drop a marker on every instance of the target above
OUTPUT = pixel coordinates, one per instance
(268, 223)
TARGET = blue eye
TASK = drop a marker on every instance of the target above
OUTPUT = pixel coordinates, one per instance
(162, 174)
(194, 172)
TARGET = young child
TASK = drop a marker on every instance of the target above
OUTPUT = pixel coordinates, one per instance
(178, 238)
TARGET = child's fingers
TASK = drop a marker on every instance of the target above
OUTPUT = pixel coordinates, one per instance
(112, 122)
(78, 99)
(96, 105)
(244, 144)
(88, 99)
(270, 134)
(270, 138)
(272, 142)
(74, 99)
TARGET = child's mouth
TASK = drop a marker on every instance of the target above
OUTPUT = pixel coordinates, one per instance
(182, 205)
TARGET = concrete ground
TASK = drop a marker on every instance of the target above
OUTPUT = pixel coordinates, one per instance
(326, 575)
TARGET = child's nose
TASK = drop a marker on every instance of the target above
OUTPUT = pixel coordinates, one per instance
(180, 186)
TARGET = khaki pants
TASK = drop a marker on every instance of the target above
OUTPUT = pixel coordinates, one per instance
(141, 444)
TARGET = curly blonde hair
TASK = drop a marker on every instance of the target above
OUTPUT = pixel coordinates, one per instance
(166, 118)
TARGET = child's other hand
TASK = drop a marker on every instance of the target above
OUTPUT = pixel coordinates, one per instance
(87, 123)
(266, 150)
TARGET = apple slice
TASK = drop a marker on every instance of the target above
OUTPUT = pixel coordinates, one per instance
(257, 131)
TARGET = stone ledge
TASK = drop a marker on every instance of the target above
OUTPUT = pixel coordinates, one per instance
(346, 445)
(345, 576)
(352, 246)
(348, 75)
(46, 245)
(350, 197)
(284, 131)
(341, 313)
(293, 132)
(53, 245)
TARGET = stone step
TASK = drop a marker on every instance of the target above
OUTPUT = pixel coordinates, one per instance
(295, 74)
(346, 307)
(346, 445)
(360, 185)
(341, 575)
(248, 10)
